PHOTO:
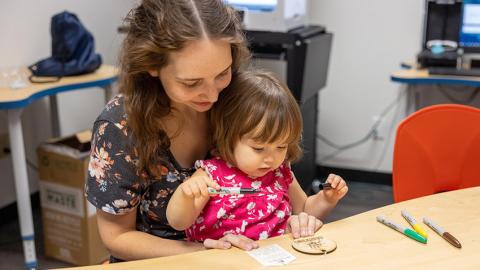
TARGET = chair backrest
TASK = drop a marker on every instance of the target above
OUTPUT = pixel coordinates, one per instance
(436, 149)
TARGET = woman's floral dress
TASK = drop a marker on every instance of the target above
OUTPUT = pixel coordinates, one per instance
(116, 185)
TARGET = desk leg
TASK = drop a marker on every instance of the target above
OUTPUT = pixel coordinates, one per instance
(54, 116)
(24, 206)
(108, 92)
(411, 100)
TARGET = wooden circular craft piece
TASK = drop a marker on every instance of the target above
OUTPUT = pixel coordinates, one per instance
(314, 245)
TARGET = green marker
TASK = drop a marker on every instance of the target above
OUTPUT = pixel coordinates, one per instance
(408, 232)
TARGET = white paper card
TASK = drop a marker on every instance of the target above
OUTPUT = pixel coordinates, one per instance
(271, 255)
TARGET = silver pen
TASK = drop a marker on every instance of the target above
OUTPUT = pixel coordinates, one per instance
(232, 190)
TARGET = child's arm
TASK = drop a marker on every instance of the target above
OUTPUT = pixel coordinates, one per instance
(320, 204)
(324, 201)
(189, 199)
(297, 197)
(300, 224)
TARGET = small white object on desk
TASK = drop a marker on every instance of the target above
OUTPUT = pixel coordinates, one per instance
(272, 255)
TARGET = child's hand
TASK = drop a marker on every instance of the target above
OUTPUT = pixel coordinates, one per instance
(303, 225)
(338, 190)
(197, 186)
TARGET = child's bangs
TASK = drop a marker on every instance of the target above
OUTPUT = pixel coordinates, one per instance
(276, 126)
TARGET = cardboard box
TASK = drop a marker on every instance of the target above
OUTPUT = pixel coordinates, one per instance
(69, 220)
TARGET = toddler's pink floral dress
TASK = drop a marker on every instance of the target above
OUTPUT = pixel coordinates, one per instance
(257, 216)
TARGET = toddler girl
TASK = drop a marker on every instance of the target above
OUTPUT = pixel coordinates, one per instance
(256, 129)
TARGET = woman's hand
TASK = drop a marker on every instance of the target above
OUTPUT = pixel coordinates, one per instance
(230, 240)
(303, 224)
(197, 186)
(338, 190)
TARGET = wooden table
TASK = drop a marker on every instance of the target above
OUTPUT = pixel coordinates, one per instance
(14, 101)
(362, 242)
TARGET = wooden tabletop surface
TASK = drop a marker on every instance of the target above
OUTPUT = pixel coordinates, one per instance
(363, 243)
(12, 98)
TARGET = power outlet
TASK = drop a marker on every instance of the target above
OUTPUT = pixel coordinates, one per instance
(4, 145)
(379, 133)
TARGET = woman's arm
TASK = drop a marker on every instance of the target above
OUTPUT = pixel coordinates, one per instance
(120, 237)
(113, 184)
(188, 200)
(123, 241)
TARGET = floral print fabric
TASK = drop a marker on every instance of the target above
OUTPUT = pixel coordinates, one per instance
(257, 216)
(116, 185)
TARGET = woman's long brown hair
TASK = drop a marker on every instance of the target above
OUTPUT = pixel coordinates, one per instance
(156, 28)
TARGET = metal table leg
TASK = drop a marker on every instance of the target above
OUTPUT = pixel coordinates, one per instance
(55, 120)
(108, 92)
(24, 206)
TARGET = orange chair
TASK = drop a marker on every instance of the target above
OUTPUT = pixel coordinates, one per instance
(436, 149)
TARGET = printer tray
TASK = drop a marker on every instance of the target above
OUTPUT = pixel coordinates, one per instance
(428, 59)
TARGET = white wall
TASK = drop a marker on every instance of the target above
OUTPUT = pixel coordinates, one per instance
(25, 39)
(371, 38)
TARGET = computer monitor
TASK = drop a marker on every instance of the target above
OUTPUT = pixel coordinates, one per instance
(271, 15)
(254, 5)
(469, 34)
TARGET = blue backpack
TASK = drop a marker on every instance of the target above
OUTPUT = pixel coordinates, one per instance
(73, 50)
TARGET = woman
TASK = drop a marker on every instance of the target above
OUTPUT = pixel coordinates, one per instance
(176, 58)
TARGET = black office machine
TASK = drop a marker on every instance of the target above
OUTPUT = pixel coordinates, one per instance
(440, 33)
(451, 41)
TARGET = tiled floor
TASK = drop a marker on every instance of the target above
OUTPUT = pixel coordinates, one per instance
(361, 197)
(11, 250)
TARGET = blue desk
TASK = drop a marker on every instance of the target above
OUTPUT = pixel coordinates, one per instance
(421, 76)
(14, 101)
(412, 76)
